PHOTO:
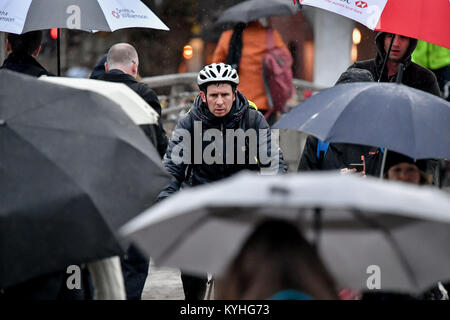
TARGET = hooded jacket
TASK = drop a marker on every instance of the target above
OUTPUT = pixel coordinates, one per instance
(414, 75)
(203, 172)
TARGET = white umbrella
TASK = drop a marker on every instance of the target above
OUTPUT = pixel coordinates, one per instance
(358, 225)
(134, 106)
(20, 16)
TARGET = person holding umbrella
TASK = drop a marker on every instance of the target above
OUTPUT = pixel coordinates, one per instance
(319, 155)
(400, 54)
(23, 50)
(276, 262)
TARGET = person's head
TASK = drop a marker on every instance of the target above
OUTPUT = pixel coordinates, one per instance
(402, 47)
(275, 257)
(355, 75)
(28, 43)
(217, 83)
(399, 48)
(124, 57)
(399, 167)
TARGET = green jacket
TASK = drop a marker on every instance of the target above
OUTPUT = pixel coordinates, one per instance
(431, 56)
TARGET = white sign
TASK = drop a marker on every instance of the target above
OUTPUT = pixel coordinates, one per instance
(129, 13)
(13, 14)
(367, 12)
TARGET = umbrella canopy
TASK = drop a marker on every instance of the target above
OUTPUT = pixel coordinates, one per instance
(255, 9)
(20, 16)
(402, 229)
(134, 106)
(388, 115)
(88, 15)
(420, 19)
(73, 169)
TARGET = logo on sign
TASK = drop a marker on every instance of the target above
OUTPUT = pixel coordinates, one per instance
(361, 4)
(115, 14)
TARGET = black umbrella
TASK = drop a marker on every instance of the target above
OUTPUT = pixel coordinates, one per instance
(73, 169)
(389, 115)
(255, 9)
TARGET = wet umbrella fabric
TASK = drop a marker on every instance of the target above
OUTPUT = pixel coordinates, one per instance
(255, 9)
(402, 229)
(389, 115)
(134, 106)
(73, 169)
(419, 19)
(87, 15)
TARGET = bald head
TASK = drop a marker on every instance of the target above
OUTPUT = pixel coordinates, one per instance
(124, 57)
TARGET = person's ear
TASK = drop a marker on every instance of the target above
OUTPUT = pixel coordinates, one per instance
(203, 96)
(134, 69)
(37, 51)
(106, 67)
(234, 95)
(8, 47)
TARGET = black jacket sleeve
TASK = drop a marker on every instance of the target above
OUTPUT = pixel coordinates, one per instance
(270, 147)
(150, 97)
(173, 160)
(309, 161)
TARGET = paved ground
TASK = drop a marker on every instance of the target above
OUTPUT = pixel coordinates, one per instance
(163, 284)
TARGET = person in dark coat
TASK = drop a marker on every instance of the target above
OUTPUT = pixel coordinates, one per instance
(219, 108)
(24, 48)
(121, 66)
(414, 75)
(318, 155)
(99, 68)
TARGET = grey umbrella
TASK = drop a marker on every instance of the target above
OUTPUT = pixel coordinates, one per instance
(357, 224)
(73, 169)
(254, 9)
(394, 116)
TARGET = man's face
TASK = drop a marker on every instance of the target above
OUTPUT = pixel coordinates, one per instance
(219, 98)
(399, 47)
(406, 172)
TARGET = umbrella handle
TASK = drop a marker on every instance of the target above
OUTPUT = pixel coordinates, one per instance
(383, 163)
(386, 57)
(58, 51)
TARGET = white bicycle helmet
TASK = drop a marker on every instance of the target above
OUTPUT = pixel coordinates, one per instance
(217, 72)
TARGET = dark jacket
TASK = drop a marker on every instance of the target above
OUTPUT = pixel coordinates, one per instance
(24, 64)
(140, 88)
(339, 156)
(414, 75)
(155, 133)
(202, 173)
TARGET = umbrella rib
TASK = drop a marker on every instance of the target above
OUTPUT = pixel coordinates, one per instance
(372, 222)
